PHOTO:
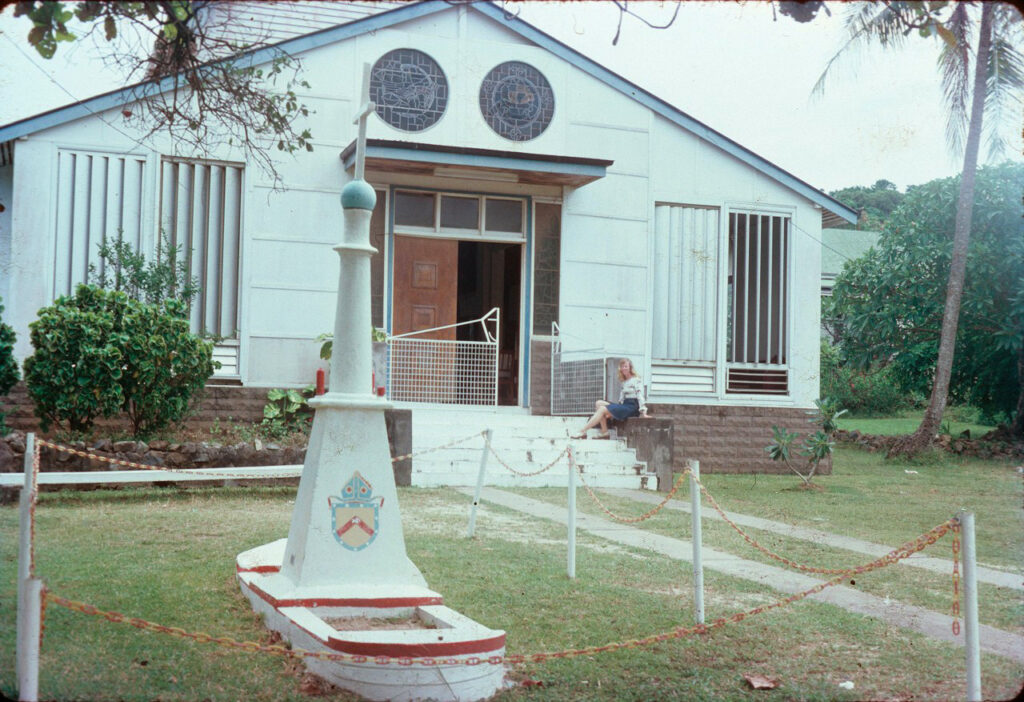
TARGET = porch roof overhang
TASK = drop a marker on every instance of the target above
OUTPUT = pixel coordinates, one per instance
(483, 164)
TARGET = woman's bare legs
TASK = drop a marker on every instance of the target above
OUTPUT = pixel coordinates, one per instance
(600, 416)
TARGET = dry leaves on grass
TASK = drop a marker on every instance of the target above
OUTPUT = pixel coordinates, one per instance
(761, 682)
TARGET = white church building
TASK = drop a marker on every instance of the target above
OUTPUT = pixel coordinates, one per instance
(536, 215)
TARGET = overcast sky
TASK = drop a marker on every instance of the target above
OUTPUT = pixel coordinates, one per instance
(727, 64)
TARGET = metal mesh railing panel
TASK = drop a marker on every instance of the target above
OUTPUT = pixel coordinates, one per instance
(443, 372)
(576, 385)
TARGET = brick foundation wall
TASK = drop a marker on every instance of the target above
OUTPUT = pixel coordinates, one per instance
(731, 439)
(540, 377)
(218, 403)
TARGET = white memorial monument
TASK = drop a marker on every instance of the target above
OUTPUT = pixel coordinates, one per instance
(344, 560)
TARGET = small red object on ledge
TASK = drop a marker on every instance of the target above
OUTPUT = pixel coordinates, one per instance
(319, 381)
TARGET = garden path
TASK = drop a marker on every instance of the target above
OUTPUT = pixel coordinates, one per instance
(927, 622)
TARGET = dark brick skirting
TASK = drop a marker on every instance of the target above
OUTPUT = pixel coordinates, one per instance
(732, 439)
(223, 403)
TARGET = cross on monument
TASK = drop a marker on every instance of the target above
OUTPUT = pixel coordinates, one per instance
(365, 110)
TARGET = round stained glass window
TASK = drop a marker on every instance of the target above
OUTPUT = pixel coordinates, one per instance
(409, 89)
(517, 101)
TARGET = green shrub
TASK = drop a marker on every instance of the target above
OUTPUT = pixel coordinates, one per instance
(286, 411)
(874, 391)
(126, 270)
(8, 366)
(74, 373)
(100, 352)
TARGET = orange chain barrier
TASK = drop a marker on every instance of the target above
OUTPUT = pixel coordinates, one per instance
(227, 476)
(905, 551)
(549, 466)
(956, 577)
(642, 517)
(771, 554)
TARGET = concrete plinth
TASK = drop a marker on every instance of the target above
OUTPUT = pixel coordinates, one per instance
(302, 616)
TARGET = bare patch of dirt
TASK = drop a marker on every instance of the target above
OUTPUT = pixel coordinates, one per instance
(379, 623)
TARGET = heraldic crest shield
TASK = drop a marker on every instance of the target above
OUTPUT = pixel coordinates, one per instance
(355, 514)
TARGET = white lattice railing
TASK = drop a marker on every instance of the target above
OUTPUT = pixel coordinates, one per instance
(445, 371)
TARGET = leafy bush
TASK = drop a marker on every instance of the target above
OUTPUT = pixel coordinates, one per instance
(863, 392)
(100, 352)
(123, 269)
(8, 366)
(287, 411)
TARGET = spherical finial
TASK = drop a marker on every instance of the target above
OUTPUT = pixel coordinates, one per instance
(358, 195)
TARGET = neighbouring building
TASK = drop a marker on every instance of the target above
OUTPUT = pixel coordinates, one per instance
(512, 173)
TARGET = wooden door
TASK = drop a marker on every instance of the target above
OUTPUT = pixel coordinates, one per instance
(426, 283)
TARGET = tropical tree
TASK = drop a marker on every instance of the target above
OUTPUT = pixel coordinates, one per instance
(196, 81)
(888, 305)
(875, 203)
(982, 70)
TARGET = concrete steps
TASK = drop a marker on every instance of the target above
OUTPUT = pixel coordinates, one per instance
(521, 443)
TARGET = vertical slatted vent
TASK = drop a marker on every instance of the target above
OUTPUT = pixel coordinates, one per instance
(201, 212)
(99, 197)
(685, 305)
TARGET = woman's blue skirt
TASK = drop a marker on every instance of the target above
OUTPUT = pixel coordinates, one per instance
(629, 408)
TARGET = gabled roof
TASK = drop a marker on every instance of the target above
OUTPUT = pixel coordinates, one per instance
(412, 11)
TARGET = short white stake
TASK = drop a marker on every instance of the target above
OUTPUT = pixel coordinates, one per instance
(698, 565)
(572, 516)
(29, 589)
(479, 482)
(970, 582)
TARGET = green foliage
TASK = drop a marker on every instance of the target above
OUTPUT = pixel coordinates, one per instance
(287, 411)
(815, 448)
(100, 352)
(888, 305)
(327, 341)
(875, 203)
(871, 392)
(74, 373)
(164, 365)
(124, 269)
(827, 411)
(8, 366)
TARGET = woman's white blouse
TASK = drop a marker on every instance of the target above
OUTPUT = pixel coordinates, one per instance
(633, 389)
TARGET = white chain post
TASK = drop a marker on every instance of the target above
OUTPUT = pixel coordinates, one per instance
(479, 481)
(572, 517)
(29, 619)
(972, 644)
(698, 565)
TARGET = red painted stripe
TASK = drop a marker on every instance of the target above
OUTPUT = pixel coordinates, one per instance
(431, 650)
(259, 569)
(348, 601)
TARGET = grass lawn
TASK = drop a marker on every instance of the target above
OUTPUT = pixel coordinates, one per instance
(908, 421)
(168, 555)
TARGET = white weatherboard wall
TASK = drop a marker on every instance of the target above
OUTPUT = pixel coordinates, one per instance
(287, 269)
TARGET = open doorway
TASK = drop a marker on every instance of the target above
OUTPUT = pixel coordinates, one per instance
(489, 276)
(441, 282)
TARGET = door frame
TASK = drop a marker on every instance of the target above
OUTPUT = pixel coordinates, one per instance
(526, 268)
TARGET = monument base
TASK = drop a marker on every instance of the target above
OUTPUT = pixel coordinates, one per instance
(359, 623)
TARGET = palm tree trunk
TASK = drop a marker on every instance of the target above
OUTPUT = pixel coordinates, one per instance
(926, 432)
(1017, 425)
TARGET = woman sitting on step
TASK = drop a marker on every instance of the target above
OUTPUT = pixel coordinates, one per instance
(630, 404)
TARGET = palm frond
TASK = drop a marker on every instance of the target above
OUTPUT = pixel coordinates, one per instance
(864, 23)
(955, 67)
(1005, 77)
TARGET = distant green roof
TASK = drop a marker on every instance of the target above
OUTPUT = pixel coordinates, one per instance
(842, 245)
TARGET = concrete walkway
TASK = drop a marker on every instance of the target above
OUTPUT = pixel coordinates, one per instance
(991, 576)
(933, 624)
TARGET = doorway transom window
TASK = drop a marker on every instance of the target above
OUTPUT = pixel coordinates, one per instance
(460, 216)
